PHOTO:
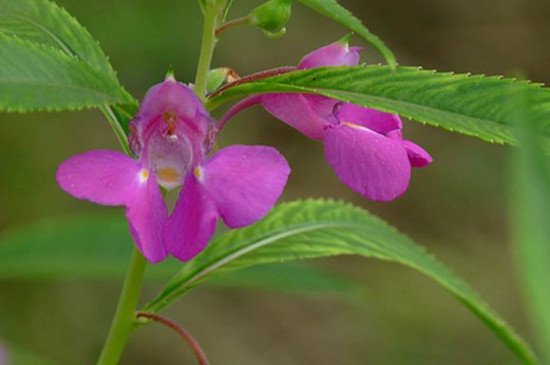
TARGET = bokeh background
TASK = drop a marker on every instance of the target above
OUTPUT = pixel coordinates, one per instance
(457, 207)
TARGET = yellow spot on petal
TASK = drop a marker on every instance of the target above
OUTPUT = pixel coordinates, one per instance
(143, 175)
(168, 175)
(197, 172)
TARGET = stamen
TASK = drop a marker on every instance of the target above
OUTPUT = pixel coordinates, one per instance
(169, 116)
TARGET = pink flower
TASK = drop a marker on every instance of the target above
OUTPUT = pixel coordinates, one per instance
(364, 146)
(171, 136)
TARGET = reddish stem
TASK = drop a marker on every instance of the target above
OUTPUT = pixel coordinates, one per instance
(253, 77)
(230, 24)
(197, 350)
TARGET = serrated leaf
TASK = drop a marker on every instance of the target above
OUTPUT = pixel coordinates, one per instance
(43, 25)
(38, 77)
(98, 247)
(530, 208)
(311, 229)
(44, 22)
(332, 10)
(478, 106)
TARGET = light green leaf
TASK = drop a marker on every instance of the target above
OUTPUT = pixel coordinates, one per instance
(42, 25)
(311, 229)
(98, 247)
(474, 105)
(38, 77)
(44, 22)
(530, 197)
(332, 10)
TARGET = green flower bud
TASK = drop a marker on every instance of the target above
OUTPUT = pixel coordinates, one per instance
(219, 76)
(272, 16)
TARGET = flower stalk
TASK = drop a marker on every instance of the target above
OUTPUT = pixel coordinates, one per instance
(208, 44)
(124, 320)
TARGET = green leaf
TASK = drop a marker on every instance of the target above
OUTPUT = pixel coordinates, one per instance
(311, 229)
(530, 198)
(95, 247)
(474, 105)
(42, 25)
(38, 77)
(332, 10)
(44, 22)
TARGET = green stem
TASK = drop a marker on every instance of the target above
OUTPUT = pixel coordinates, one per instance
(117, 128)
(207, 49)
(124, 321)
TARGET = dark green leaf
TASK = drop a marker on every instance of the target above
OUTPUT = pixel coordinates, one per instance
(331, 9)
(474, 105)
(311, 229)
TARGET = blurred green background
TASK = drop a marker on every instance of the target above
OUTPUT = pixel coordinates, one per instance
(457, 207)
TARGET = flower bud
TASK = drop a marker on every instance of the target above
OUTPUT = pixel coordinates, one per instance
(218, 77)
(272, 16)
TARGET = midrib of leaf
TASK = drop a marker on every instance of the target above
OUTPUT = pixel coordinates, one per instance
(230, 256)
(56, 39)
(474, 105)
(379, 240)
(270, 237)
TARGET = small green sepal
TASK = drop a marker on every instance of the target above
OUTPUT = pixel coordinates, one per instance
(170, 74)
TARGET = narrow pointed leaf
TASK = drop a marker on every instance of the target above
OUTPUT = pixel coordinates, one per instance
(332, 10)
(310, 229)
(478, 106)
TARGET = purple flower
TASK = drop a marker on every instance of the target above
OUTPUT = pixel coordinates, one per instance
(364, 146)
(171, 136)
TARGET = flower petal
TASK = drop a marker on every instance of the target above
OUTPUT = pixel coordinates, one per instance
(373, 119)
(111, 178)
(244, 182)
(103, 177)
(192, 223)
(147, 214)
(418, 157)
(297, 111)
(373, 165)
(171, 95)
(335, 54)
